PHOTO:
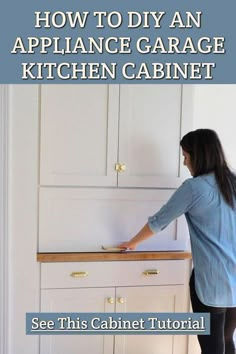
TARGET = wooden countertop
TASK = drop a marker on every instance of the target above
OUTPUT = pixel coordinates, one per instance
(111, 256)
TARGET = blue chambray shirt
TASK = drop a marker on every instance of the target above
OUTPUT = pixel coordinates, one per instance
(212, 228)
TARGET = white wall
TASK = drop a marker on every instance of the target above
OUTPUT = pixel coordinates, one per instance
(214, 106)
(23, 179)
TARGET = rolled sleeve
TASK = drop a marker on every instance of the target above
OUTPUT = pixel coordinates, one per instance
(179, 203)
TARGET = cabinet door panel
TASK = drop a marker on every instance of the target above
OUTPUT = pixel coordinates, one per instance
(76, 300)
(84, 219)
(151, 299)
(79, 132)
(150, 131)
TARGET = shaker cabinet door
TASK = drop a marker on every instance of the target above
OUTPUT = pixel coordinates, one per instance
(84, 219)
(77, 300)
(151, 124)
(79, 135)
(154, 299)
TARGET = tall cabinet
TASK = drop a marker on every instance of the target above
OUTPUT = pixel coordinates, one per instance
(109, 158)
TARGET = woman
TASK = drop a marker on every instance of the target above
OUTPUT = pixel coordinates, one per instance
(209, 203)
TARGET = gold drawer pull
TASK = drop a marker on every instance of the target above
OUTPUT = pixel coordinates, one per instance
(151, 272)
(79, 274)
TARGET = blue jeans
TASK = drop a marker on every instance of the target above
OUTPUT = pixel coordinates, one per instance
(223, 324)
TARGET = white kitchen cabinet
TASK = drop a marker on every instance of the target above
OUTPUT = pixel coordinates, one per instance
(150, 299)
(77, 300)
(151, 123)
(79, 134)
(114, 287)
(90, 132)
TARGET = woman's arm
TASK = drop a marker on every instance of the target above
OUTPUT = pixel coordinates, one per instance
(142, 235)
(178, 204)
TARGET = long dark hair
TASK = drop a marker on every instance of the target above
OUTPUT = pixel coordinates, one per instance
(206, 156)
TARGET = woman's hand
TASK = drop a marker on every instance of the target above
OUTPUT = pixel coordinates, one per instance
(129, 245)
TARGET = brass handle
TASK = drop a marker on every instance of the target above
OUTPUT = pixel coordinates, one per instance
(79, 274)
(121, 300)
(151, 272)
(110, 300)
(120, 167)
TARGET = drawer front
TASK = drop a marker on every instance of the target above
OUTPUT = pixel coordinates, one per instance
(101, 274)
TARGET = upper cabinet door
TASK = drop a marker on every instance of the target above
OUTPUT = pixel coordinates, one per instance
(152, 121)
(79, 135)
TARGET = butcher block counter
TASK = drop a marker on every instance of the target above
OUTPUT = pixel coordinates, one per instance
(112, 256)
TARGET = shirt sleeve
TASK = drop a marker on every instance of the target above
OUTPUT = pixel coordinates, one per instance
(179, 203)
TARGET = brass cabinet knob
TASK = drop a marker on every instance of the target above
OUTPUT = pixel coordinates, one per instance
(110, 300)
(120, 167)
(121, 300)
(151, 272)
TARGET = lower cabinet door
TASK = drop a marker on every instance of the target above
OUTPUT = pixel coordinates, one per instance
(77, 300)
(151, 299)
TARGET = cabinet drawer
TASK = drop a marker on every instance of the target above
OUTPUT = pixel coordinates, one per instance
(100, 274)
